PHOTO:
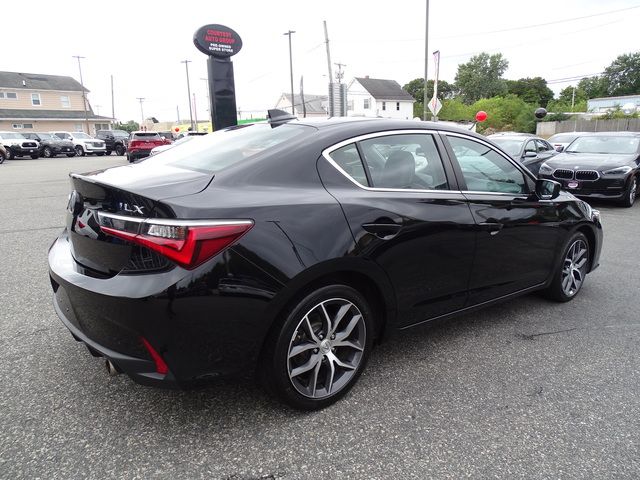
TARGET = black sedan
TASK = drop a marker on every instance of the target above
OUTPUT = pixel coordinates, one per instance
(51, 146)
(289, 249)
(530, 150)
(599, 165)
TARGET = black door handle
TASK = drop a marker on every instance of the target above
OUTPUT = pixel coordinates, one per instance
(382, 230)
(491, 227)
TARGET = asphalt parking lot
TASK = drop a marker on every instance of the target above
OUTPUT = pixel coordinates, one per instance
(526, 389)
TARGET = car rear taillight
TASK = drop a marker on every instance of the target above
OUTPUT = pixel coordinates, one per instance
(187, 243)
(134, 143)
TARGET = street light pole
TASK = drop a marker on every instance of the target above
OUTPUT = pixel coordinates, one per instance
(186, 66)
(141, 99)
(291, 70)
(84, 96)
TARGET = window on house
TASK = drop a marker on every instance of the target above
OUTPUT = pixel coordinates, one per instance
(397, 105)
(17, 125)
(384, 105)
(366, 104)
(350, 105)
(27, 125)
(35, 99)
(64, 100)
(9, 95)
(77, 127)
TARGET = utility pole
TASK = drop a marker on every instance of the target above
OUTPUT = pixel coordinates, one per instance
(340, 73)
(141, 99)
(178, 114)
(573, 98)
(291, 70)
(326, 41)
(186, 66)
(426, 62)
(195, 111)
(113, 108)
(84, 95)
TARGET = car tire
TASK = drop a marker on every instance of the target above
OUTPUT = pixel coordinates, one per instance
(79, 151)
(34, 157)
(47, 152)
(630, 193)
(120, 150)
(108, 152)
(3, 157)
(10, 155)
(129, 159)
(570, 274)
(320, 349)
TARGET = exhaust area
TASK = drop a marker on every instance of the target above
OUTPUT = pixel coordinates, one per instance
(112, 370)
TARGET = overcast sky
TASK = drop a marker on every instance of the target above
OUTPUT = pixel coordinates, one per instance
(142, 43)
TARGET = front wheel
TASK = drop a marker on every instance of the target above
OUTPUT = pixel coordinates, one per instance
(321, 348)
(2, 157)
(47, 152)
(79, 151)
(570, 275)
(631, 193)
(10, 155)
(120, 150)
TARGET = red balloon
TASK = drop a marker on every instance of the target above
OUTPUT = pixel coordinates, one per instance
(177, 129)
(481, 116)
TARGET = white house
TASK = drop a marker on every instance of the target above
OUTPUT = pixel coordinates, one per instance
(374, 97)
(630, 103)
(314, 105)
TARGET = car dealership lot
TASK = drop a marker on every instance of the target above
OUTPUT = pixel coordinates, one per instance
(528, 388)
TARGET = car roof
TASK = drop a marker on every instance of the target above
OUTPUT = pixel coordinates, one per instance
(610, 134)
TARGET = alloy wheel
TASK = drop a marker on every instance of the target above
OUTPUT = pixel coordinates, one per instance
(574, 268)
(47, 153)
(633, 190)
(326, 348)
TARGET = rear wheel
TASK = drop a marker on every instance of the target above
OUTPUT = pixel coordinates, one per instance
(631, 193)
(47, 152)
(10, 155)
(320, 350)
(120, 150)
(570, 276)
(79, 151)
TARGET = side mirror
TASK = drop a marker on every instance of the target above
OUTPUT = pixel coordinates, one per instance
(559, 148)
(547, 189)
(530, 154)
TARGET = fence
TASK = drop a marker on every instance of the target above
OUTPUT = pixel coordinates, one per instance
(546, 129)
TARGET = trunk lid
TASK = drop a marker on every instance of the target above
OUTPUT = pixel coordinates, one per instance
(130, 191)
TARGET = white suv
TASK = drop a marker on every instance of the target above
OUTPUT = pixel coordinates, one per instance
(84, 144)
(18, 146)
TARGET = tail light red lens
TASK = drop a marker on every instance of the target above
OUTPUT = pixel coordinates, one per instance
(189, 244)
(134, 143)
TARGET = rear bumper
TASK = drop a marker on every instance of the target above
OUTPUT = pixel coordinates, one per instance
(200, 329)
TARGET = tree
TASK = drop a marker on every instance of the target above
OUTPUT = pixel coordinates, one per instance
(593, 87)
(454, 110)
(506, 113)
(481, 77)
(623, 75)
(416, 89)
(130, 126)
(531, 90)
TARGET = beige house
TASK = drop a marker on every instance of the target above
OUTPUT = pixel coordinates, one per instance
(314, 105)
(31, 102)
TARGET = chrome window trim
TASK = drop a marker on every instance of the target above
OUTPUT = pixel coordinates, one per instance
(327, 151)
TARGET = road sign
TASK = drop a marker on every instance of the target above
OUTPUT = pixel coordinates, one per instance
(435, 105)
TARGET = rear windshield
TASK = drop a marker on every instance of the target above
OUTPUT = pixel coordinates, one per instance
(147, 135)
(604, 144)
(211, 153)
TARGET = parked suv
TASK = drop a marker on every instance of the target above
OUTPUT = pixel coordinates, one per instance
(50, 145)
(83, 144)
(115, 140)
(18, 146)
(141, 143)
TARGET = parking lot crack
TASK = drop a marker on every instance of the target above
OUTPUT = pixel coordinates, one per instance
(533, 336)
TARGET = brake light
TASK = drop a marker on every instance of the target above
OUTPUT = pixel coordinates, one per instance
(134, 143)
(188, 244)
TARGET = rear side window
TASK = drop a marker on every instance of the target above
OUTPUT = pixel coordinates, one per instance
(485, 170)
(348, 159)
(215, 151)
(409, 161)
